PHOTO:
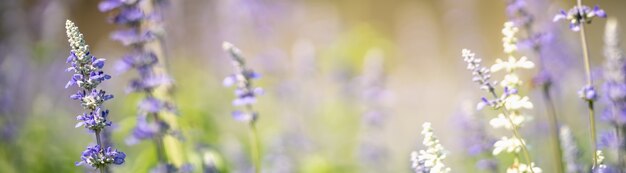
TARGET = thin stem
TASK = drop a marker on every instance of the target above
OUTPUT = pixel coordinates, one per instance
(158, 141)
(619, 134)
(592, 124)
(554, 125)
(256, 154)
(516, 134)
(98, 141)
(590, 103)
(524, 148)
(549, 104)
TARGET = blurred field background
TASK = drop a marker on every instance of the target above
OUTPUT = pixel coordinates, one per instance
(312, 57)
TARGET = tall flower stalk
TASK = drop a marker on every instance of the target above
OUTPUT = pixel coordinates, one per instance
(87, 76)
(139, 27)
(518, 12)
(510, 103)
(372, 153)
(246, 97)
(429, 160)
(571, 153)
(578, 16)
(614, 88)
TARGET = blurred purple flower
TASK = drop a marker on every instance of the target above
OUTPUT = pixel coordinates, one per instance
(142, 131)
(242, 79)
(478, 143)
(108, 5)
(609, 139)
(132, 36)
(588, 93)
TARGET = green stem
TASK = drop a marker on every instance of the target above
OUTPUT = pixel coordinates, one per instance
(590, 103)
(516, 133)
(550, 109)
(554, 125)
(256, 154)
(99, 142)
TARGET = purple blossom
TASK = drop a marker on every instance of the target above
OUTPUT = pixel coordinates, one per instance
(108, 5)
(132, 36)
(609, 139)
(96, 157)
(142, 131)
(95, 120)
(128, 15)
(242, 79)
(579, 15)
(588, 93)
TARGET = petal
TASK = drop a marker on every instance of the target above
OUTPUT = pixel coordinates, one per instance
(109, 5)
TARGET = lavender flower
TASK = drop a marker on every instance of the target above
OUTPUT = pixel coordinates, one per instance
(246, 96)
(88, 75)
(588, 93)
(98, 158)
(579, 15)
(431, 159)
(245, 92)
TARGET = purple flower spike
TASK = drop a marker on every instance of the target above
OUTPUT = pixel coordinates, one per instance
(242, 78)
(87, 76)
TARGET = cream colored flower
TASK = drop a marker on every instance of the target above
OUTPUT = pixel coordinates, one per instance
(512, 64)
(510, 145)
(511, 80)
(515, 102)
(503, 121)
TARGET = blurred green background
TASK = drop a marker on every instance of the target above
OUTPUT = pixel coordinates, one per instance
(311, 55)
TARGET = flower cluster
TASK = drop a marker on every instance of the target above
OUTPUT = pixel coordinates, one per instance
(513, 117)
(431, 159)
(481, 75)
(98, 157)
(523, 168)
(510, 102)
(242, 78)
(88, 75)
(579, 15)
